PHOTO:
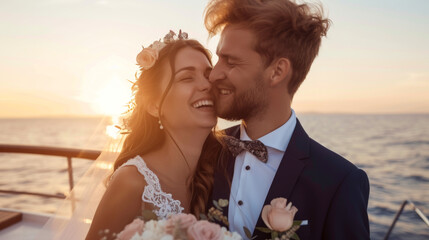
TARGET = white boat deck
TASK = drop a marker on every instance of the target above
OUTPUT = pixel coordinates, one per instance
(25, 229)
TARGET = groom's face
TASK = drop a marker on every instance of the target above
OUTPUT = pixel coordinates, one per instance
(239, 76)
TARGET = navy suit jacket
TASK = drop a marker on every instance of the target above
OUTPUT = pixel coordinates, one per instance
(329, 191)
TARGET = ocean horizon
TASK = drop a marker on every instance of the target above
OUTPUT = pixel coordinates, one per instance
(393, 149)
(297, 112)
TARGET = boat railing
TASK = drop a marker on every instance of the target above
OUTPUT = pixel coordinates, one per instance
(398, 214)
(68, 153)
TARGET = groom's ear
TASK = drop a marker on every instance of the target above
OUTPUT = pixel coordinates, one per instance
(281, 72)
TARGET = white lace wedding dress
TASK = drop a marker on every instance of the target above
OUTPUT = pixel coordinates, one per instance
(163, 202)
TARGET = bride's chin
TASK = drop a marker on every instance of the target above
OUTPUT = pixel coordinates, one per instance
(211, 123)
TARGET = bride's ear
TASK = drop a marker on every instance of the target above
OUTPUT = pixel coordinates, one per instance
(153, 109)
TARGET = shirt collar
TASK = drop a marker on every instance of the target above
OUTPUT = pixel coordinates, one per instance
(277, 139)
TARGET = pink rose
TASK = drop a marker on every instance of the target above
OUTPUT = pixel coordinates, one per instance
(147, 58)
(184, 221)
(278, 216)
(131, 229)
(205, 230)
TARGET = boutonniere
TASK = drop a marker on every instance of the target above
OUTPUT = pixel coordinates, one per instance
(216, 212)
(278, 216)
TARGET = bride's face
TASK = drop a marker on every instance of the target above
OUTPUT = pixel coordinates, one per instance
(189, 102)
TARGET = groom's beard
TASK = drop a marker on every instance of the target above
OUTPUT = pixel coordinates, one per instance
(245, 105)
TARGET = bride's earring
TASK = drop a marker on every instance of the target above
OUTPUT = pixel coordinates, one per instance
(160, 125)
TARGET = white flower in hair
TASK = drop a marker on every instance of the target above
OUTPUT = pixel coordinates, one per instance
(148, 56)
(182, 35)
(169, 36)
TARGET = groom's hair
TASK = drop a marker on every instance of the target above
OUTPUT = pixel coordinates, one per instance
(283, 28)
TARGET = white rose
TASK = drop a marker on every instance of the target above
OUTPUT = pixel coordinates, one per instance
(148, 235)
(137, 237)
(167, 237)
(154, 230)
(230, 235)
(157, 45)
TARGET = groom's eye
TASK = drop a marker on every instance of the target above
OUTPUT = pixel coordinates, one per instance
(230, 63)
(207, 72)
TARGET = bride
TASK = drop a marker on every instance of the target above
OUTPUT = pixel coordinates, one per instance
(167, 160)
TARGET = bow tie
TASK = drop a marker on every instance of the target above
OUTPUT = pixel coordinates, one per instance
(256, 147)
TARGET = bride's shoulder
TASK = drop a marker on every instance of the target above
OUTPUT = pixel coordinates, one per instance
(129, 174)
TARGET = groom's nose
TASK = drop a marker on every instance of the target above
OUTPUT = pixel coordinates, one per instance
(217, 73)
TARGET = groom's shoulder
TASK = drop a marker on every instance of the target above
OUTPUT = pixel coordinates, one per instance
(328, 159)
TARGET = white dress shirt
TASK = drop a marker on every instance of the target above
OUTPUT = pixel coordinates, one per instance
(252, 178)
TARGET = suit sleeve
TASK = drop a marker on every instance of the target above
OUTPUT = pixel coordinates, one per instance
(348, 216)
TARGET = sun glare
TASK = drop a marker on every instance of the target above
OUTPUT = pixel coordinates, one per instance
(106, 86)
(104, 165)
(113, 131)
(112, 98)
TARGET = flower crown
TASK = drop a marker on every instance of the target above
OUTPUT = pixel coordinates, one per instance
(148, 56)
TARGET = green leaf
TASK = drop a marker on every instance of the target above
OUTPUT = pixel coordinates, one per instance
(274, 234)
(211, 219)
(215, 203)
(247, 232)
(295, 236)
(149, 215)
(203, 216)
(298, 222)
(264, 230)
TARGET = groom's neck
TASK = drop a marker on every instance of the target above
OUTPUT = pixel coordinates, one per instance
(266, 121)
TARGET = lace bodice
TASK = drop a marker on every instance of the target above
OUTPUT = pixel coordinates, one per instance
(153, 193)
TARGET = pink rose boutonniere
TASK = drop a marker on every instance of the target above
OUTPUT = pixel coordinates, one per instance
(278, 216)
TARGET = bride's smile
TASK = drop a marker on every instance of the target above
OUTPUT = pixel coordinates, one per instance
(189, 103)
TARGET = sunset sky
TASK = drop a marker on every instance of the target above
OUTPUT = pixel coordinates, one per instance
(75, 57)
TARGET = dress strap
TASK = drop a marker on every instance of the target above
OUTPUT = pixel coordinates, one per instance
(153, 193)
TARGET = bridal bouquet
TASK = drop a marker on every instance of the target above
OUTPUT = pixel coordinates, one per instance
(181, 226)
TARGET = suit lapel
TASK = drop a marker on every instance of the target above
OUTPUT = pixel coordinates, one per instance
(289, 169)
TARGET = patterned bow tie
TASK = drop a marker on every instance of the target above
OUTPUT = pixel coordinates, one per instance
(256, 147)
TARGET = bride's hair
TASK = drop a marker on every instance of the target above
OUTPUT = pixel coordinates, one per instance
(145, 134)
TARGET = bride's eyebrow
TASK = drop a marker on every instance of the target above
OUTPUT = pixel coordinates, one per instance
(190, 68)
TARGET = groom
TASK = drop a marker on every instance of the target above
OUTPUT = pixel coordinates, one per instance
(265, 51)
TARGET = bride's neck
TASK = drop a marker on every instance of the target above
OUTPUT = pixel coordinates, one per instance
(190, 144)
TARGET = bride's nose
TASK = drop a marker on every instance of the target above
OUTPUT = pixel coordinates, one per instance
(204, 84)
